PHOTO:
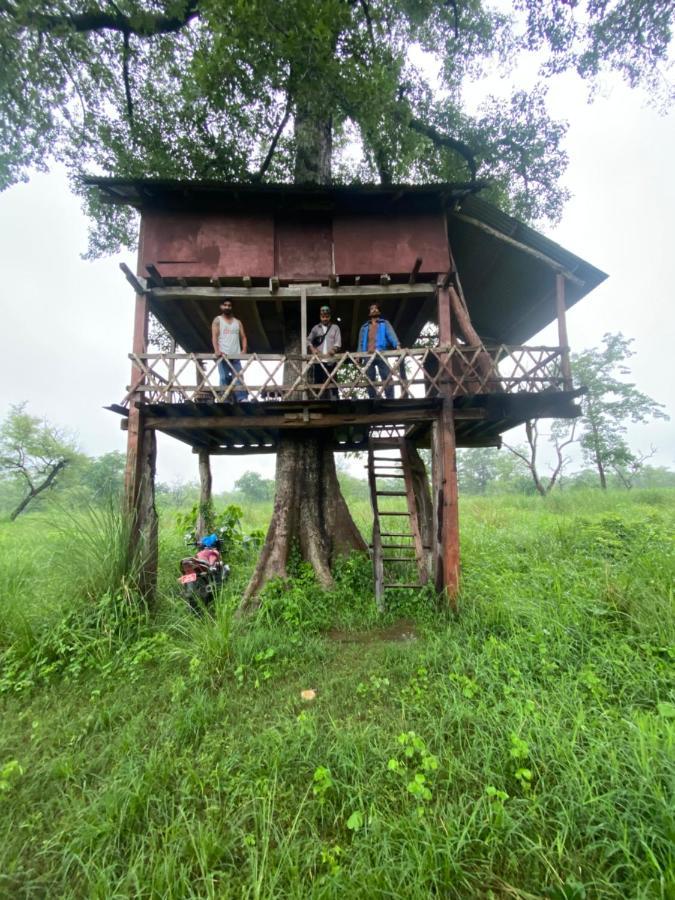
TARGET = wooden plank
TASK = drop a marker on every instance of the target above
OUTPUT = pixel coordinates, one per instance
(415, 270)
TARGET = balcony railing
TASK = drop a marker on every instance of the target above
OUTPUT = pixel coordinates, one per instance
(407, 374)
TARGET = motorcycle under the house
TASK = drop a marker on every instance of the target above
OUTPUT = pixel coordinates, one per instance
(204, 573)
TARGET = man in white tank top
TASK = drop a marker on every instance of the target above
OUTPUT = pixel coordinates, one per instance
(229, 338)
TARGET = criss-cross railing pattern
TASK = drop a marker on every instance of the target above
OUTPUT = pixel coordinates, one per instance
(416, 373)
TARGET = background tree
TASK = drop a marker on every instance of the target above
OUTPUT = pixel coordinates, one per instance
(487, 470)
(254, 487)
(609, 405)
(278, 89)
(562, 434)
(32, 454)
(103, 475)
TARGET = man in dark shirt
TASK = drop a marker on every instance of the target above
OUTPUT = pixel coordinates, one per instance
(324, 340)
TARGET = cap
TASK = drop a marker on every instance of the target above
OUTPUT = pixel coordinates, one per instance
(324, 309)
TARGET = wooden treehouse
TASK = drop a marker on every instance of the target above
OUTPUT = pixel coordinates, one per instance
(431, 253)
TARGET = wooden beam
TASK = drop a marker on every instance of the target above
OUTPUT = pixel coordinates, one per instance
(293, 420)
(292, 292)
(138, 284)
(155, 275)
(537, 254)
(415, 270)
(273, 285)
(562, 332)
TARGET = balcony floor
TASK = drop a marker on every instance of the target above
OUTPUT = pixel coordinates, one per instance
(256, 427)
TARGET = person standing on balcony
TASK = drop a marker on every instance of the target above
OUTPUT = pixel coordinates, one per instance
(324, 340)
(376, 335)
(229, 339)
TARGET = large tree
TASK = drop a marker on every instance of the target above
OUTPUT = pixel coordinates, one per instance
(286, 89)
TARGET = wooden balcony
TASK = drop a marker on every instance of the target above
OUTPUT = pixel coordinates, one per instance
(493, 389)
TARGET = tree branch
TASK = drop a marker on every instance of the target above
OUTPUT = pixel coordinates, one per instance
(444, 140)
(94, 19)
(275, 140)
(125, 75)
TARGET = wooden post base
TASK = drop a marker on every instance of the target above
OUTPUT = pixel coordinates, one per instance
(445, 539)
(140, 499)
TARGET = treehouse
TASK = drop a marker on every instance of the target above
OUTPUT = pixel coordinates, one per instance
(425, 254)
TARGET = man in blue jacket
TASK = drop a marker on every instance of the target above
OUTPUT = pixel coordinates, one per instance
(377, 334)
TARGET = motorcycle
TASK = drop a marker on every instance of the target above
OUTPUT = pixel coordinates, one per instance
(204, 573)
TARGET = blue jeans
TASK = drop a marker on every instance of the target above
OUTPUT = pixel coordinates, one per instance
(226, 370)
(379, 366)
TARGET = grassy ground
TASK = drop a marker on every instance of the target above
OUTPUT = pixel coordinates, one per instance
(524, 749)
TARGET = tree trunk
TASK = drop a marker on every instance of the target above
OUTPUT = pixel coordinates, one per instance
(309, 509)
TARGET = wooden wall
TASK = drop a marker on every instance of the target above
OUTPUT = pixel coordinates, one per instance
(305, 247)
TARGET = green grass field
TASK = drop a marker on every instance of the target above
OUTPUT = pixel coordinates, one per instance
(525, 749)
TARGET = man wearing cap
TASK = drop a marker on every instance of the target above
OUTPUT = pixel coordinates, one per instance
(376, 335)
(229, 339)
(324, 340)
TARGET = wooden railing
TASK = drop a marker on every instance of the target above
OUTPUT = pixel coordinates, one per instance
(417, 373)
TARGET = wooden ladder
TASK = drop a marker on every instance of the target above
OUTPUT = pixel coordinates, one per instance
(402, 526)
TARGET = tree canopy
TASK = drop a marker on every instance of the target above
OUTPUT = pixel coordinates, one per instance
(197, 88)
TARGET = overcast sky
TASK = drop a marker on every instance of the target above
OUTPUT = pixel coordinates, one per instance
(67, 322)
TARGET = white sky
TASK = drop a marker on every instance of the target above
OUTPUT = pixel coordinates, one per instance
(67, 322)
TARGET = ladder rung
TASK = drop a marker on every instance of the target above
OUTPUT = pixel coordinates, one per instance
(398, 546)
(395, 534)
(391, 493)
(398, 558)
(387, 512)
(402, 587)
(387, 475)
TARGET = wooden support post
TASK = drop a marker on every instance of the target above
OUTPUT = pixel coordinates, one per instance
(444, 472)
(303, 328)
(139, 481)
(562, 331)
(205, 484)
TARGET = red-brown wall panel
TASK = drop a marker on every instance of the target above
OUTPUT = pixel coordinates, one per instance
(207, 245)
(304, 249)
(372, 244)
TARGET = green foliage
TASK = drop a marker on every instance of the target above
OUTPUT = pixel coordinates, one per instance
(187, 89)
(226, 523)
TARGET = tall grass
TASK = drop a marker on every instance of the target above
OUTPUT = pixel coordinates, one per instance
(522, 749)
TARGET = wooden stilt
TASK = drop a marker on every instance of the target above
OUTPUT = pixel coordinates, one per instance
(205, 483)
(139, 481)
(445, 544)
(562, 331)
